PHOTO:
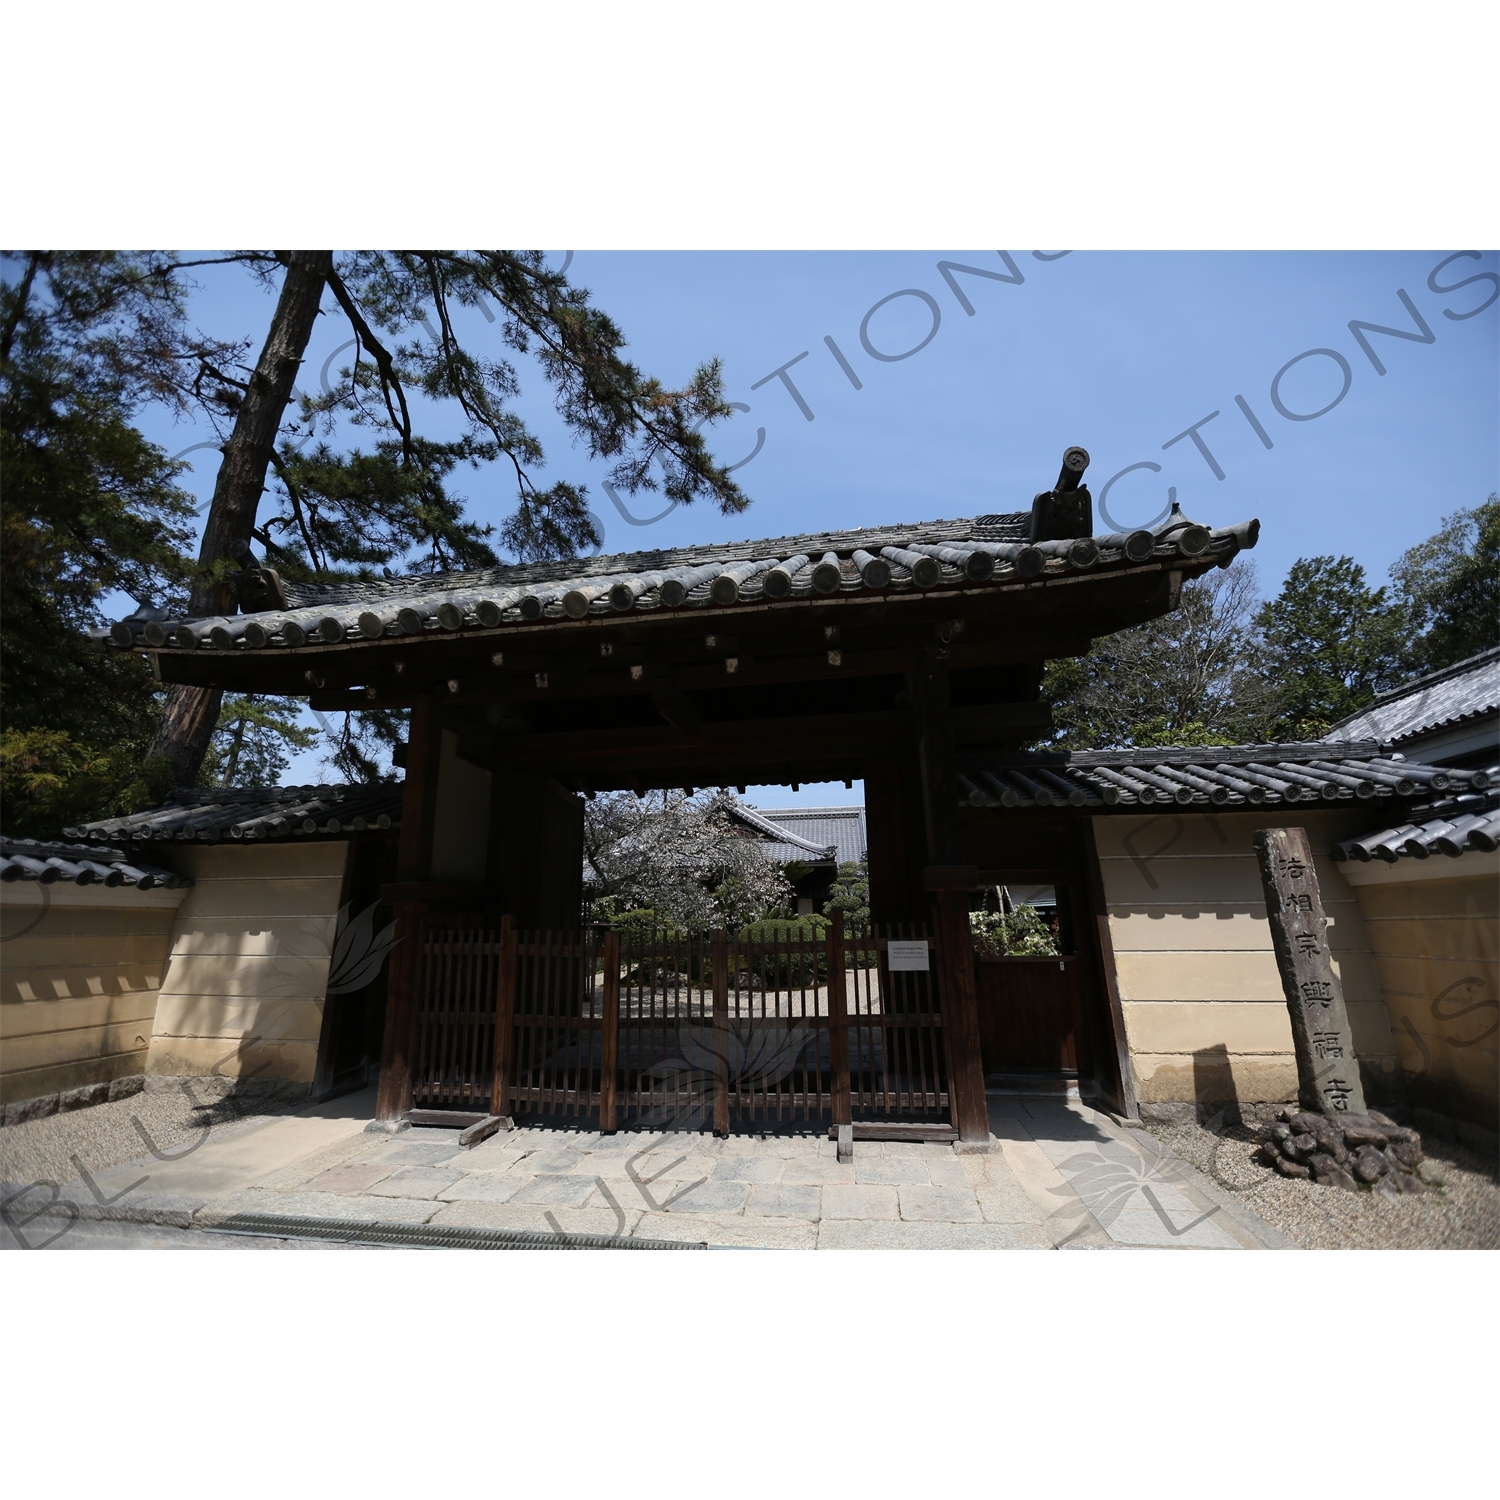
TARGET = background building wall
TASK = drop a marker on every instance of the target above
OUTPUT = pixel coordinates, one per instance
(244, 988)
(1205, 1017)
(82, 968)
(1433, 928)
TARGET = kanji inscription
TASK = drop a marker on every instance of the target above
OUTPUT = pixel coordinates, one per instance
(1327, 1070)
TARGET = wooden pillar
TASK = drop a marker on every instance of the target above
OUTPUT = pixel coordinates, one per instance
(413, 864)
(610, 1050)
(1103, 949)
(505, 1012)
(955, 956)
(838, 1026)
(722, 1050)
(955, 944)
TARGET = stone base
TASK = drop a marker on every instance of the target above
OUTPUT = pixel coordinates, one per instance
(18, 1111)
(1347, 1151)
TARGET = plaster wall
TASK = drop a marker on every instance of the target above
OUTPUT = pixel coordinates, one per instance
(1205, 1017)
(1434, 929)
(80, 973)
(245, 983)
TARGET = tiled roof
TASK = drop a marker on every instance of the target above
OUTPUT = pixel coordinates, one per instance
(1235, 776)
(1475, 826)
(81, 864)
(839, 830)
(274, 812)
(1465, 690)
(984, 551)
(780, 843)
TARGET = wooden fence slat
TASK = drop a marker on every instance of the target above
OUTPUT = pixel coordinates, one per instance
(609, 1060)
(838, 1018)
(505, 1005)
(721, 1051)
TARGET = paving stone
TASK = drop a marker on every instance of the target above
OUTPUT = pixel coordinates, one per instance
(955, 1205)
(493, 1155)
(712, 1198)
(1003, 1202)
(404, 1152)
(553, 1161)
(538, 1218)
(908, 1150)
(352, 1177)
(485, 1187)
(742, 1233)
(1143, 1226)
(856, 1234)
(748, 1169)
(818, 1170)
(896, 1171)
(775, 1200)
(414, 1182)
(677, 1167)
(951, 1171)
(860, 1201)
(573, 1191)
(329, 1206)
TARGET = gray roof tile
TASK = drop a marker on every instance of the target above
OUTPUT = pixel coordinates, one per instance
(1206, 778)
(251, 813)
(1465, 690)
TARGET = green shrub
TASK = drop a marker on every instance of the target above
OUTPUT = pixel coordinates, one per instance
(1020, 934)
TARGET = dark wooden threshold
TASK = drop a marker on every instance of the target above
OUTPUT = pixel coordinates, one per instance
(898, 1130)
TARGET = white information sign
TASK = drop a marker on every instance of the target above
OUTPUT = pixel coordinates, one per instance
(907, 953)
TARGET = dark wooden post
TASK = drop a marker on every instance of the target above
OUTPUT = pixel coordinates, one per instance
(610, 1050)
(1327, 1071)
(393, 1097)
(1104, 951)
(838, 1024)
(413, 865)
(722, 1048)
(505, 1012)
(955, 944)
(955, 959)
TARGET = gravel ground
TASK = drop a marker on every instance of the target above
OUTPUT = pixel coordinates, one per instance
(1464, 1214)
(171, 1112)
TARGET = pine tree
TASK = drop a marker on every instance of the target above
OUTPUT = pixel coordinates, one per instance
(362, 508)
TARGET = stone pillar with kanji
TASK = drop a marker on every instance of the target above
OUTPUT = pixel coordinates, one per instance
(1327, 1070)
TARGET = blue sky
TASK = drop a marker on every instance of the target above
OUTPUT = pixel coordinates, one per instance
(1120, 352)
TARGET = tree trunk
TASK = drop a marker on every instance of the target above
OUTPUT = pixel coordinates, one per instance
(190, 714)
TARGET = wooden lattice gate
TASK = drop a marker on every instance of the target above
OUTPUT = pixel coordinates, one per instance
(646, 1026)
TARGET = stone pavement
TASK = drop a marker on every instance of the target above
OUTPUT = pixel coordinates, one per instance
(1058, 1174)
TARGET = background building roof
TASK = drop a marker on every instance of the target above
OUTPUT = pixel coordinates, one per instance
(834, 834)
(1467, 690)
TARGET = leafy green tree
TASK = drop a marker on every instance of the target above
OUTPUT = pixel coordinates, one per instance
(251, 742)
(88, 508)
(850, 894)
(1449, 586)
(1328, 644)
(1186, 678)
